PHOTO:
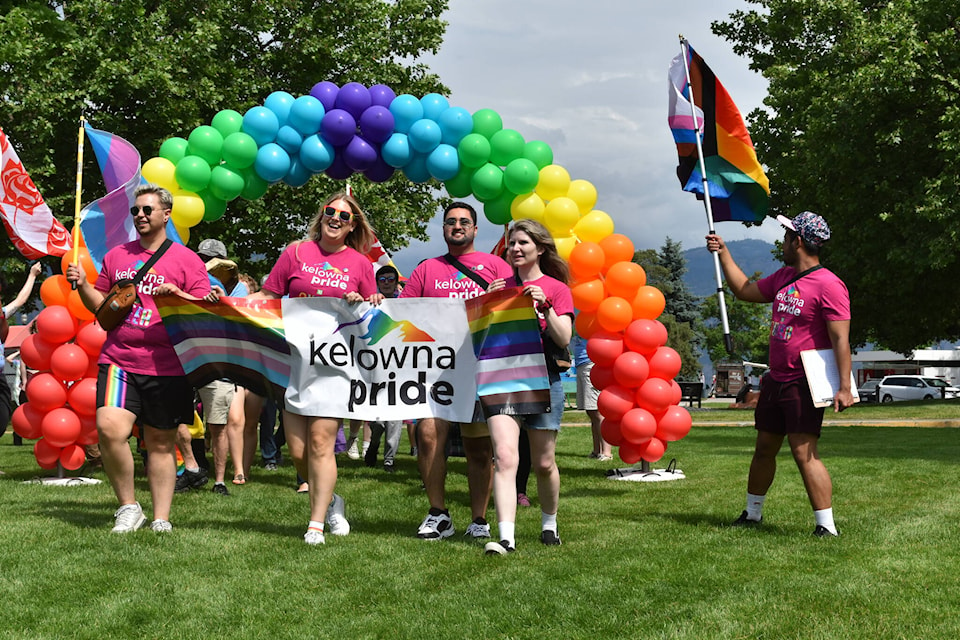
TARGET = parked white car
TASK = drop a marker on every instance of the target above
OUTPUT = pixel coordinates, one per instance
(904, 387)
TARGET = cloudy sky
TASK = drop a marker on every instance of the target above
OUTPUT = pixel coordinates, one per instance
(590, 79)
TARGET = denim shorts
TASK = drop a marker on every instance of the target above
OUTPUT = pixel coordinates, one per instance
(548, 421)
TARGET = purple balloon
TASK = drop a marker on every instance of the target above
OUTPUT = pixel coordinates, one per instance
(338, 127)
(359, 154)
(353, 98)
(339, 169)
(326, 93)
(379, 171)
(376, 124)
(381, 95)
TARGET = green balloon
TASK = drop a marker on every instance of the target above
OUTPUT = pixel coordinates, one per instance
(239, 150)
(487, 182)
(521, 176)
(487, 122)
(459, 185)
(539, 153)
(173, 149)
(207, 143)
(227, 121)
(226, 183)
(192, 174)
(474, 150)
(213, 207)
(497, 210)
(254, 186)
(506, 145)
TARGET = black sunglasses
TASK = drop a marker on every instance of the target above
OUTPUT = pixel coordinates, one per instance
(345, 216)
(147, 210)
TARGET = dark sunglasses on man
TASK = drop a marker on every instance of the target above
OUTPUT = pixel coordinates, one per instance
(147, 210)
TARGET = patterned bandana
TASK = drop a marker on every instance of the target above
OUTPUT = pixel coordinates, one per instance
(809, 226)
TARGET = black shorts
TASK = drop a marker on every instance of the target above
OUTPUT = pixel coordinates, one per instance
(162, 402)
(787, 407)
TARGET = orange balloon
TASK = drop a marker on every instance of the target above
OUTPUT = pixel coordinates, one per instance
(587, 296)
(586, 261)
(76, 307)
(648, 303)
(614, 314)
(616, 248)
(623, 279)
(54, 291)
(586, 324)
(89, 270)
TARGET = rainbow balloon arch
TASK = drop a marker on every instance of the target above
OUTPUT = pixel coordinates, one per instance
(343, 131)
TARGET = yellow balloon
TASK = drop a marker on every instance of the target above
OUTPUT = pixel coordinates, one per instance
(594, 227)
(187, 209)
(560, 215)
(160, 172)
(584, 194)
(554, 182)
(528, 205)
(183, 232)
(565, 246)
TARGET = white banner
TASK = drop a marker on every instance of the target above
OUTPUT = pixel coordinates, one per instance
(405, 359)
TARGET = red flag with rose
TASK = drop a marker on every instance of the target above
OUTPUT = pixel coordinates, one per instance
(28, 220)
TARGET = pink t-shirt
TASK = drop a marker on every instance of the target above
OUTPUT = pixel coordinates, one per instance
(141, 344)
(304, 270)
(801, 311)
(437, 278)
(557, 293)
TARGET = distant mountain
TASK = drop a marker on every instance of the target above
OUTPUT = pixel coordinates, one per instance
(751, 255)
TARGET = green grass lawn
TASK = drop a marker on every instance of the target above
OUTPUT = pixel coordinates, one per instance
(639, 560)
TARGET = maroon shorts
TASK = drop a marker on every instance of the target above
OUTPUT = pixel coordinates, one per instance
(787, 407)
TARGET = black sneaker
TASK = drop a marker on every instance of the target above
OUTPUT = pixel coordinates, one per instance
(220, 489)
(501, 548)
(822, 532)
(744, 521)
(550, 538)
(370, 457)
(190, 480)
(388, 467)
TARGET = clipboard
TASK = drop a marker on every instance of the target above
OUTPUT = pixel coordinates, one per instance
(820, 367)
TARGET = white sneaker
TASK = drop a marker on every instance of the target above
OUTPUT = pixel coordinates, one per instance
(129, 518)
(352, 451)
(312, 536)
(435, 527)
(477, 531)
(336, 518)
(161, 526)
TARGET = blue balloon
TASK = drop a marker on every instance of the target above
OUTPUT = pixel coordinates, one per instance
(416, 170)
(290, 139)
(406, 110)
(338, 127)
(272, 162)
(396, 151)
(359, 154)
(306, 114)
(316, 154)
(424, 135)
(261, 124)
(376, 124)
(434, 104)
(456, 123)
(298, 174)
(354, 98)
(381, 95)
(443, 162)
(280, 103)
(326, 92)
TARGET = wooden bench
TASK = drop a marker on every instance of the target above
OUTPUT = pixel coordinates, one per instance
(691, 391)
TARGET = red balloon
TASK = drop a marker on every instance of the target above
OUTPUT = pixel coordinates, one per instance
(36, 352)
(604, 347)
(60, 427)
(26, 421)
(88, 431)
(72, 457)
(91, 338)
(82, 397)
(674, 424)
(653, 450)
(69, 362)
(630, 369)
(677, 392)
(665, 363)
(45, 392)
(644, 336)
(56, 325)
(638, 426)
(601, 377)
(614, 401)
(610, 430)
(93, 369)
(654, 395)
(46, 454)
(629, 452)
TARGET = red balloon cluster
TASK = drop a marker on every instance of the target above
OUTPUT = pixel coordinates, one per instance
(62, 397)
(633, 369)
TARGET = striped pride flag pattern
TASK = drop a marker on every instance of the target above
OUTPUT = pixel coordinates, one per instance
(236, 338)
(511, 371)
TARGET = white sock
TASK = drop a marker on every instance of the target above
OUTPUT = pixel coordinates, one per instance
(755, 506)
(313, 524)
(508, 533)
(548, 522)
(191, 469)
(824, 518)
(366, 445)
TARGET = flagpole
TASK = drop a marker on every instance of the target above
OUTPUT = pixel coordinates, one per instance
(76, 214)
(727, 339)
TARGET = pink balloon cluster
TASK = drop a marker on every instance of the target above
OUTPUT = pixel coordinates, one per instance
(639, 399)
(62, 397)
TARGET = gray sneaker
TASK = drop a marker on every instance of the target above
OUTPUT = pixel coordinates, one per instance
(129, 518)
(336, 517)
(161, 526)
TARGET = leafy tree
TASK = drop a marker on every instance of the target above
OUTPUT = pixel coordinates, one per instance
(749, 328)
(862, 124)
(150, 69)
